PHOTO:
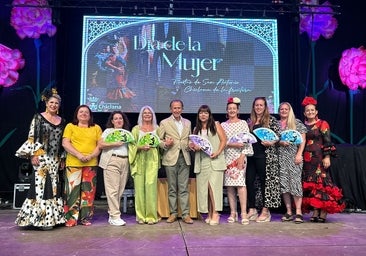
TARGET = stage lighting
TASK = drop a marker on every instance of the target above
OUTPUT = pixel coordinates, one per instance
(171, 7)
(135, 10)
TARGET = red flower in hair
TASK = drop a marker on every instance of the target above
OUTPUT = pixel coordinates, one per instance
(235, 100)
(308, 100)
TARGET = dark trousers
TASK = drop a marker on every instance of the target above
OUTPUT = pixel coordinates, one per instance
(256, 167)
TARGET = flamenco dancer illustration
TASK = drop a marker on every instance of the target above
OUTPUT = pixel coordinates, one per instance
(118, 77)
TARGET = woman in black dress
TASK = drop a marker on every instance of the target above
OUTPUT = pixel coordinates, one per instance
(320, 194)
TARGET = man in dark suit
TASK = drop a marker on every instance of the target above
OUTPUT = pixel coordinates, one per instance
(176, 160)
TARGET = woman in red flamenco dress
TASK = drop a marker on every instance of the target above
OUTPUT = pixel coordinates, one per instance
(320, 195)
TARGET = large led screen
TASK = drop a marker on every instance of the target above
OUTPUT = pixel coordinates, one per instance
(129, 62)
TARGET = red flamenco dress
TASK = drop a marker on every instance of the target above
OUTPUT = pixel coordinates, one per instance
(319, 192)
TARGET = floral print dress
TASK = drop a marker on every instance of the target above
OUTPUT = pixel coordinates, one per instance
(318, 188)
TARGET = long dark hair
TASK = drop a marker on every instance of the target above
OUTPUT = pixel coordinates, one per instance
(126, 122)
(264, 121)
(75, 120)
(210, 122)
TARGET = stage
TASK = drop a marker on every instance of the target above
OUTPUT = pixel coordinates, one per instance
(344, 234)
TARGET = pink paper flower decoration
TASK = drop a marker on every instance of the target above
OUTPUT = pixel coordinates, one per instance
(317, 21)
(10, 62)
(30, 21)
(352, 68)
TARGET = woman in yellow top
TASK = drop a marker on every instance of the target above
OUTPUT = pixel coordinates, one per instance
(80, 140)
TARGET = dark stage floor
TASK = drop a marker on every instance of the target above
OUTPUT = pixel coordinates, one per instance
(344, 234)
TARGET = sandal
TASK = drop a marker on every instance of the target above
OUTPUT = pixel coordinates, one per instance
(208, 219)
(314, 219)
(322, 220)
(233, 217)
(323, 217)
(85, 222)
(71, 223)
(253, 215)
(244, 219)
(315, 216)
(299, 219)
(287, 217)
(264, 217)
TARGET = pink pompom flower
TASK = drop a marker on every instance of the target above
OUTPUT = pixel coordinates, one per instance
(352, 68)
(31, 21)
(10, 62)
(318, 21)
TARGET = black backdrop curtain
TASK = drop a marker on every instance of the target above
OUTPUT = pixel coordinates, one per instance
(348, 171)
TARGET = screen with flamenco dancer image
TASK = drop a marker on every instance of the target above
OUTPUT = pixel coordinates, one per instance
(129, 62)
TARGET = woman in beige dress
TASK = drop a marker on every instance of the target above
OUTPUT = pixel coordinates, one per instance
(209, 166)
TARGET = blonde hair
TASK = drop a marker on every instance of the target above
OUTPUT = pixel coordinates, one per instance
(291, 119)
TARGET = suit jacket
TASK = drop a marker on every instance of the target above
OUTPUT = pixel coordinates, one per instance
(168, 128)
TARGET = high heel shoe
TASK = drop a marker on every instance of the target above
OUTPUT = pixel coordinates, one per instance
(233, 217)
(253, 215)
(287, 217)
(208, 219)
(315, 216)
(85, 222)
(298, 219)
(314, 219)
(322, 217)
(71, 223)
(264, 217)
(322, 220)
(244, 219)
(214, 222)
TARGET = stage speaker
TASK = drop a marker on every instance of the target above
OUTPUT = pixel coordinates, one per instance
(20, 193)
(25, 172)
